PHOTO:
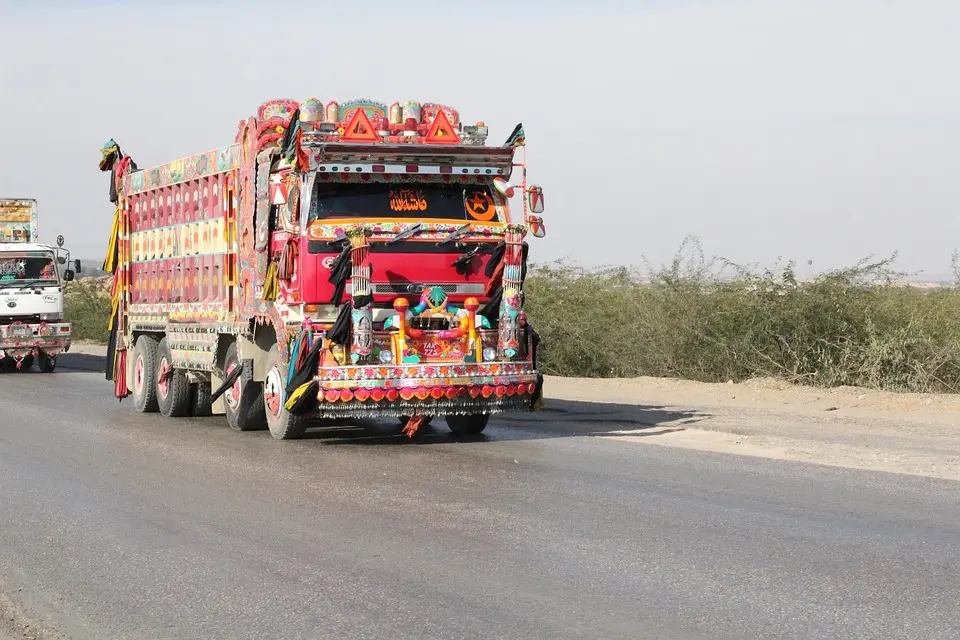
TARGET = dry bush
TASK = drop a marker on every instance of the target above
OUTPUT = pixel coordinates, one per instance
(857, 326)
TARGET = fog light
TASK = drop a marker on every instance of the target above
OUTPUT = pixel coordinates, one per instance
(489, 354)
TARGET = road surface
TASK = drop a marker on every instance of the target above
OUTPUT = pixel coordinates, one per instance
(119, 525)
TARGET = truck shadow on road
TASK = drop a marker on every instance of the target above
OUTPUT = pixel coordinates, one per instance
(81, 363)
(66, 363)
(558, 419)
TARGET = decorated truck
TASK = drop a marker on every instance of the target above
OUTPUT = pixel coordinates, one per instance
(337, 261)
(32, 327)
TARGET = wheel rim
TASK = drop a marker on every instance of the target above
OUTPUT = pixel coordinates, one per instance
(273, 392)
(232, 395)
(163, 382)
(138, 375)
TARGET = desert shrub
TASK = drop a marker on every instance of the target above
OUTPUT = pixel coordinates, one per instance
(87, 307)
(712, 320)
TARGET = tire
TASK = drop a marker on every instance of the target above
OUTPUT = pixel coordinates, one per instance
(283, 425)
(468, 425)
(47, 363)
(243, 402)
(145, 374)
(173, 391)
(200, 405)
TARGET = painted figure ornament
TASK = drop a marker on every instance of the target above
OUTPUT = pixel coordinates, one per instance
(361, 347)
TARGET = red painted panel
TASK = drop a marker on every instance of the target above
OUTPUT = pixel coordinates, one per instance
(393, 268)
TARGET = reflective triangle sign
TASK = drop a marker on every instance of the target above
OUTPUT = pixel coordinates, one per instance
(441, 131)
(360, 129)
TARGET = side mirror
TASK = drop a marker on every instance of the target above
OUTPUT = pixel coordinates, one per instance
(68, 275)
(535, 223)
(76, 266)
(535, 199)
(503, 187)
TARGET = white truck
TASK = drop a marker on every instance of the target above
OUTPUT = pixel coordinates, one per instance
(31, 290)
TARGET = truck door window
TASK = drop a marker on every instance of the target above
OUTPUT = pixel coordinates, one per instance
(403, 200)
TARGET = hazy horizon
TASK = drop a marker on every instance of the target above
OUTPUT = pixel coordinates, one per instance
(807, 130)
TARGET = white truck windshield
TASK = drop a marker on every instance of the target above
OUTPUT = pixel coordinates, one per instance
(26, 268)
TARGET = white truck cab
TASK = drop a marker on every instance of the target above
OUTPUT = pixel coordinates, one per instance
(32, 325)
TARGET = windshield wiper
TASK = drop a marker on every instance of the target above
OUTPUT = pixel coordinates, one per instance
(458, 233)
(403, 235)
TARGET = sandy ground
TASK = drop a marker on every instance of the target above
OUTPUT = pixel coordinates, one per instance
(844, 427)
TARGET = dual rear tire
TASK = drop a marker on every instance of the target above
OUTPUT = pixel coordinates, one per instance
(158, 387)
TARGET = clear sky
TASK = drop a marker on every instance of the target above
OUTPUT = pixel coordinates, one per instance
(808, 129)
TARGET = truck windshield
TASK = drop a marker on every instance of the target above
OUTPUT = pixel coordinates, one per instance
(29, 267)
(390, 201)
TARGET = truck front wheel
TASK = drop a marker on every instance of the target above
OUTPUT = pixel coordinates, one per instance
(46, 363)
(243, 401)
(283, 425)
(145, 374)
(468, 425)
(173, 388)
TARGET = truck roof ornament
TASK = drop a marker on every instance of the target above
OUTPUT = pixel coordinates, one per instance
(365, 121)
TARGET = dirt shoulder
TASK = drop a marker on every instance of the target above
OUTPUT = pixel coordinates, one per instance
(915, 434)
(15, 624)
(847, 427)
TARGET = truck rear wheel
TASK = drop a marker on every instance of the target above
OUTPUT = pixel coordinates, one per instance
(145, 374)
(243, 401)
(46, 363)
(468, 425)
(173, 388)
(283, 425)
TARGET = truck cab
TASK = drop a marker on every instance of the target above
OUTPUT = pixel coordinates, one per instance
(32, 326)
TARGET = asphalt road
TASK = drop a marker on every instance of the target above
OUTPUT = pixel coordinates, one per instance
(117, 525)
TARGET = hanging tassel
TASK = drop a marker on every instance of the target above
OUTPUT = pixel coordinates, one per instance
(288, 259)
(271, 287)
(306, 371)
(304, 399)
(120, 379)
(339, 274)
(340, 332)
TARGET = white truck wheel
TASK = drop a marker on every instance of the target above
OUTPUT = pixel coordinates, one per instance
(173, 388)
(283, 425)
(145, 374)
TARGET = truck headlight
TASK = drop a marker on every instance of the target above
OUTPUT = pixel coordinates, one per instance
(489, 354)
(386, 356)
(51, 317)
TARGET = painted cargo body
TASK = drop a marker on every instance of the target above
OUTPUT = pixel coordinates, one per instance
(32, 327)
(335, 261)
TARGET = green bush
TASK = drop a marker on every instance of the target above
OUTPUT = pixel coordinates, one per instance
(88, 309)
(858, 326)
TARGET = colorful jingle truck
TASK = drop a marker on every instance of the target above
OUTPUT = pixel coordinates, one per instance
(337, 261)
(32, 326)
